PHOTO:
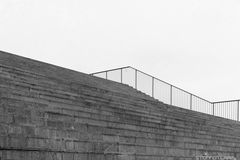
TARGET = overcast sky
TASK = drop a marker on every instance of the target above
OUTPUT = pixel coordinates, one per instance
(193, 44)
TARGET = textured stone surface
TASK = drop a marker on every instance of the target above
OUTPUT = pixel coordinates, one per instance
(51, 113)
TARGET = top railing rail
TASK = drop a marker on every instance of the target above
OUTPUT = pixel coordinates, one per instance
(169, 93)
(226, 101)
(110, 70)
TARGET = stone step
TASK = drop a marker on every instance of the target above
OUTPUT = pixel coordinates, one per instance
(184, 115)
(134, 124)
(170, 122)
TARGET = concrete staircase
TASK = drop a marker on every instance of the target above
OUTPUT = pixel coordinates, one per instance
(52, 113)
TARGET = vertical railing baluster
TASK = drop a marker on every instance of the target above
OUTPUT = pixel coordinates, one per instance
(190, 101)
(152, 86)
(171, 94)
(135, 79)
(229, 110)
(224, 109)
(227, 104)
(106, 75)
(121, 75)
(238, 110)
(213, 108)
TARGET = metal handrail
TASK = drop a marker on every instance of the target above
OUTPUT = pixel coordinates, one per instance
(227, 101)
(215, 105)
(111, 70)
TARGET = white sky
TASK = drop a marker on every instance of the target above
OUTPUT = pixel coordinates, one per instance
(193, 44)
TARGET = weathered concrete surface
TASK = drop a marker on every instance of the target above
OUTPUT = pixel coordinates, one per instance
(52, 113)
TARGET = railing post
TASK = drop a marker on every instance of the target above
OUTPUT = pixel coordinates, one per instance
(213, 108)
(152, 86)
(171, 94)
(121, 75)
(238, 110)
(135, 79)
(106, 75)
(190, 101)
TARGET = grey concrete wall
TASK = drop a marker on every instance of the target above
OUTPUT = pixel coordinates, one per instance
(51, 113)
